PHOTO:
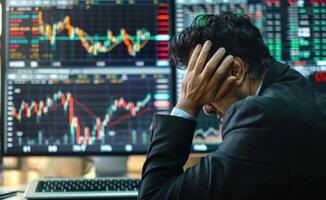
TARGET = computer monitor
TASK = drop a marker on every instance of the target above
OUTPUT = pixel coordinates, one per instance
(294, 30)
(83, 76)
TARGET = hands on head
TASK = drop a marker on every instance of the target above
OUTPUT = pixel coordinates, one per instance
(205, 82)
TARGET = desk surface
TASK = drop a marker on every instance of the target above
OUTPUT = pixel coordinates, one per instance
(35, 168)
(20, 192)
(19, 196)
(38, 167)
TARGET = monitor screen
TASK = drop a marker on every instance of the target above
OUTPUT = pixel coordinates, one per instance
(294, 30)
(84, 76)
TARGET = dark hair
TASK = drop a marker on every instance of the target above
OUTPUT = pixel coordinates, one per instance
(233, 31)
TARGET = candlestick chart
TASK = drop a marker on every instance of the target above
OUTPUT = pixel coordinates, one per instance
(84, 117)
(133, 44)
(83, 35)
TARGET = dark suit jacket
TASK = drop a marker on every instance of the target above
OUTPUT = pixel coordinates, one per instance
(274, 146)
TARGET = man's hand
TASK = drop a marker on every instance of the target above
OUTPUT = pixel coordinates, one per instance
(202, 84)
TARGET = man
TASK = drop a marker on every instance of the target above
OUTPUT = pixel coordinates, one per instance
(274, 125)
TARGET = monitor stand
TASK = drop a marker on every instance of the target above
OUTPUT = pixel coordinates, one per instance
(110, 166)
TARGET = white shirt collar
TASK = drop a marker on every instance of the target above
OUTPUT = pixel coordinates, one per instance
(258, 90)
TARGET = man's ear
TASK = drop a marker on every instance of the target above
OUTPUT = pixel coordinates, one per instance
(238, 69)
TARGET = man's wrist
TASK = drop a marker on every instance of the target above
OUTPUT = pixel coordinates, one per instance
(189, 109)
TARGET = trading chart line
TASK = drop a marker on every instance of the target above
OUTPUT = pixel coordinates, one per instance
(68, 102)
(91, 44)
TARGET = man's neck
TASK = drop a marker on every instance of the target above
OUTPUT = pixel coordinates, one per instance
(255, 85)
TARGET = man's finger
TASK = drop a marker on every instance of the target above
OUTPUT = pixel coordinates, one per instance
(213, 63)
(200, 63)
(221, 71)
(225, 87)
(194, 57)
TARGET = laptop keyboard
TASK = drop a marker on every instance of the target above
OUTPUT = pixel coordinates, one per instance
(88, 185)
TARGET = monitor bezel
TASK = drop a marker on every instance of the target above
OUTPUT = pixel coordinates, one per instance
(171, 11)
(2, 71)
